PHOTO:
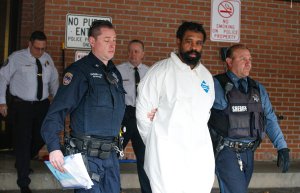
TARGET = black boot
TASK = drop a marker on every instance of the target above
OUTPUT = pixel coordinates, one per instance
(25, 189)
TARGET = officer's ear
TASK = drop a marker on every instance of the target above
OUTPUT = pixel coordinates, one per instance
(92, 41)
(229, 62)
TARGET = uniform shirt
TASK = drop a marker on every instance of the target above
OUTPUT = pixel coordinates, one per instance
(20, 74)
(178, 146)
(127, 71)
(272, 127)
(96, 107)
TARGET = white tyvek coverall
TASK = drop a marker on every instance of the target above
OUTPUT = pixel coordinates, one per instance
(179, 155)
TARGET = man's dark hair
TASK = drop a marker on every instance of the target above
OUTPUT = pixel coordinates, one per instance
(136, 41)
(231, 49)
(190, 26)
(38, 35)
(95, 28)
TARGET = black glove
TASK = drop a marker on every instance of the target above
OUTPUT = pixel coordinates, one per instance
(283, 159)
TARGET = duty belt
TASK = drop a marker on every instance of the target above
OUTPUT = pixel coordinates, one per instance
(95, 147)
(90, 146)
(239, 146)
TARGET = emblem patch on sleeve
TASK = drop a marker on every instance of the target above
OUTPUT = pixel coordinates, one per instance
(67, 78)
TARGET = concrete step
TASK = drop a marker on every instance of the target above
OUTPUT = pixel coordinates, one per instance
(267, 190)
(64, 191)
(266, 175)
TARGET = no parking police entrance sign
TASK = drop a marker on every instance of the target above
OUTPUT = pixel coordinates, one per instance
(77, 30)
(225, 20)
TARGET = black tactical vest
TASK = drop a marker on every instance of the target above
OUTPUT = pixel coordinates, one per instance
(243, 117)
(101, 111)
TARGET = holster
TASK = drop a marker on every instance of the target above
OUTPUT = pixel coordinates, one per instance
(93, 176)
(68, 147)
(256, 144)
(216, 141)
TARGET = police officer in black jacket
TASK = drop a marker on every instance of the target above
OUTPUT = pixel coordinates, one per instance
(241, 116)
(92, 93)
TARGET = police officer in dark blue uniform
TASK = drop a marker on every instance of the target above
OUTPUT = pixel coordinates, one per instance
(92, 93)
(241, 116)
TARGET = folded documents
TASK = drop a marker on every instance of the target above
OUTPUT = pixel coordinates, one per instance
(76, 175)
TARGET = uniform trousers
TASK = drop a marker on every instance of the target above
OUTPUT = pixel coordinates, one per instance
(230, 177)
(27, 118)
(138, 145)
(109, 172)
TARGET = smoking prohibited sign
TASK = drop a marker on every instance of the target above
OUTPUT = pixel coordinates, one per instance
(225, 20)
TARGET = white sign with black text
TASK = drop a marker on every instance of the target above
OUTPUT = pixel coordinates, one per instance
(80, 54)
(225, 20)
(77, 27)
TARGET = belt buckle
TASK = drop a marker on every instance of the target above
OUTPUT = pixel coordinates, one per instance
(231, 144)
(238, 146)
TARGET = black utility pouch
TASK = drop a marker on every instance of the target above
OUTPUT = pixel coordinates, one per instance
(105, 150)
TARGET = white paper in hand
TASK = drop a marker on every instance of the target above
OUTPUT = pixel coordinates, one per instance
(75, 166)
(76, 175)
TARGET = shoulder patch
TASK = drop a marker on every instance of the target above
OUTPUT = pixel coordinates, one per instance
(67, 78)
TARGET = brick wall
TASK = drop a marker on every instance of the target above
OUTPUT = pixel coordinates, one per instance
(270, 28)
(26, 23)
(39, 15)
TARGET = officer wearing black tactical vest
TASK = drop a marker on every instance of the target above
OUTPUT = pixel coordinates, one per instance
(241, 116)
(92, 93)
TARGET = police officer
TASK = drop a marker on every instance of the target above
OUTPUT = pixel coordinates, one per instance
(31, 76)
(132, 71)
(92, 93)
(241, 115)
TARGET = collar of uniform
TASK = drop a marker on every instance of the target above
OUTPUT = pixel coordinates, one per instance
(234, 78)
(131, 66)
(98, 63)
(110, 65)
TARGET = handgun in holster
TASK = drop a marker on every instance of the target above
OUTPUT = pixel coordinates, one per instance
(68, 147)
(256, 144)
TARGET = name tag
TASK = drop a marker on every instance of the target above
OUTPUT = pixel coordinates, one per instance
(96, 75)
(239, 109)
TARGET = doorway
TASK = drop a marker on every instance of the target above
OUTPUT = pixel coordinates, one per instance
(9, 38)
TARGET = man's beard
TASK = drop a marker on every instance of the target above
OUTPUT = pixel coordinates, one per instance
(188, 59)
